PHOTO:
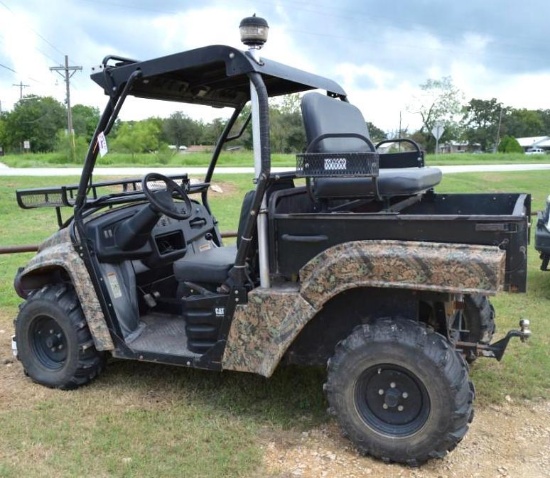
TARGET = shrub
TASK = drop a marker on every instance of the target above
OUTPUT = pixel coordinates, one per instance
(509, 144)
(64, 150)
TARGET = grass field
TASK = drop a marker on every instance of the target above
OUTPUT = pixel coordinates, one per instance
(140, 420)
(240, 158)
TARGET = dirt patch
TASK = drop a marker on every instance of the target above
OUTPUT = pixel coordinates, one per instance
(512, 440)
(219, 188)
(223, 189)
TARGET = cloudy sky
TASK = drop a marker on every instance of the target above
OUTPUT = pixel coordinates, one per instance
(379, 50)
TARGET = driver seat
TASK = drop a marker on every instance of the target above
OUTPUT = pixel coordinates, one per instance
(212, 266)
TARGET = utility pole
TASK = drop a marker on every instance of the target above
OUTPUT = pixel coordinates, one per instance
(67, 72)
(498, 131)
(21, 86)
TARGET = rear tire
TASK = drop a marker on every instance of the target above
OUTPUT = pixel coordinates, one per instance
(479, 321)
(54, 342)
(400, 391)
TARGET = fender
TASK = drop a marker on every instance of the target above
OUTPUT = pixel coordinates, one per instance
(429, 266)
(264, 328)
(58, 252)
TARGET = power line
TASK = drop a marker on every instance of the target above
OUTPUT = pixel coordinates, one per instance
(34, 31)
(7, 68)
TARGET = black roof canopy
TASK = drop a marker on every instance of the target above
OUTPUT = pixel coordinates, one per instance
(213, 75)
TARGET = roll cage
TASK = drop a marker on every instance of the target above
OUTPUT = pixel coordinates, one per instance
(216, 76)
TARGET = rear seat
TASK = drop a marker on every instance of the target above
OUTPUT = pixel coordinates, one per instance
(391, 182)
(324, 115)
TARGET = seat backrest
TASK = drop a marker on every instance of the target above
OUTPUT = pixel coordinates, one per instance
(246, 207)
(324, 115)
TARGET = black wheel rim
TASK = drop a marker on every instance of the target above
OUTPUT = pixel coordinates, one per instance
(391, 400)
(48, 342)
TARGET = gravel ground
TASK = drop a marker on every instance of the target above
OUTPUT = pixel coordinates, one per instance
(512, 440)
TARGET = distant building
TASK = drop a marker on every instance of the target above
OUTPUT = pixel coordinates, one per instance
(459, 147)
(199, 148)
(535, 143)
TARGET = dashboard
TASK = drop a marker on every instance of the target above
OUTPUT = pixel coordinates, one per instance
(167, 241)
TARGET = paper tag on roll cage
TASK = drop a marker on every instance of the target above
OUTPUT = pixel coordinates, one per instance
(102, 143)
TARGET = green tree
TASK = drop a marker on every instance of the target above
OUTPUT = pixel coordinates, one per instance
(246, 139)
(522, 123)
(2, 131)
(290, 104)
(138, 136)
(545, 118)
(482, 120)
(85, 119)
(419, 138)
(287, 133)
(509, 144)
(68, 145)
(180, 130)
(36, 119)
(439, 102)
(210, 132)
(376, 134)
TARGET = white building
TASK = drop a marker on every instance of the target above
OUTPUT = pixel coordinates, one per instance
(535, 143)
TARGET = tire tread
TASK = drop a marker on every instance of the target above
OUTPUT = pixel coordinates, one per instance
(89, 361)
(417, 336)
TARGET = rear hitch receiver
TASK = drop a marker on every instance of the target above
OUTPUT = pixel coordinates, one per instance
(497, 349)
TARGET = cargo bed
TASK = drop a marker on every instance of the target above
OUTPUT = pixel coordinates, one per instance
(301, 231)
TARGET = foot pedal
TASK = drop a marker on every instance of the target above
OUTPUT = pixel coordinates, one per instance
(151, 299)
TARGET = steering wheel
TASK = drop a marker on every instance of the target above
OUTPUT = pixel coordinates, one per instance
(162, 200)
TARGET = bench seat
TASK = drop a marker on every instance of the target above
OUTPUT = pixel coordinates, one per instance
(391, 182)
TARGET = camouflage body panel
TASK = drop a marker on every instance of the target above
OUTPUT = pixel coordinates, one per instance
(453, 268)
(263, 329)
(58, 252)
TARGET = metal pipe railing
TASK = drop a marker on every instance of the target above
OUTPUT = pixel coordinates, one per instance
(17, 249)
(34, 247)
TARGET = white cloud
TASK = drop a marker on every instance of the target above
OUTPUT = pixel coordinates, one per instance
(380, 54)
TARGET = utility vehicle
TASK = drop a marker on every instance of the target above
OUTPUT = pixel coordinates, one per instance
(542, 235)
(350, 259)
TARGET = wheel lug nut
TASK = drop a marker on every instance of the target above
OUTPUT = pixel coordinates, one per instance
(392, 385)
(405, 395)
(400, 408)
(380, 392)
(385, 406)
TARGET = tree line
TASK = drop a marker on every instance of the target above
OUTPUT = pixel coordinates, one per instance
(483, 124)
(41, 122)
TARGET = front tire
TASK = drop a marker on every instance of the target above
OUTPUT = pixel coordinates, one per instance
(399, 391)
(54, 342)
